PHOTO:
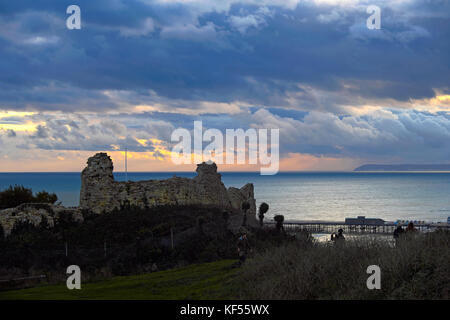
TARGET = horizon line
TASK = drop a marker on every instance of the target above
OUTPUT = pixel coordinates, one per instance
(256, 171)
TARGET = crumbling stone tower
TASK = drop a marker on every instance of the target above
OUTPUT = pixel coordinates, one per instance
(101, 193)
(98, 187)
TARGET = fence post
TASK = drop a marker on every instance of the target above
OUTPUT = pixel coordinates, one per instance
(104, 248)
(65, 243)
(171, 236)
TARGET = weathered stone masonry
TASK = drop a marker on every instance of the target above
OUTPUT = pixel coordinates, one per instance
(101, 193)
(34, 213)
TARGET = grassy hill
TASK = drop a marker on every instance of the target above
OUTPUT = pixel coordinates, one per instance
(200, 281)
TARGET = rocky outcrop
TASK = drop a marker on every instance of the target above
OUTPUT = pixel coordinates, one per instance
(34, 213)
(101, 193)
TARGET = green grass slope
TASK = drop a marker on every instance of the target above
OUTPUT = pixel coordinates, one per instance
(200, 281)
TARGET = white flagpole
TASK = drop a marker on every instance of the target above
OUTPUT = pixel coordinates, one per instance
(126, 154)
(126, 164)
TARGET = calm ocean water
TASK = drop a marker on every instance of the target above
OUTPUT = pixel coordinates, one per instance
(315, 196)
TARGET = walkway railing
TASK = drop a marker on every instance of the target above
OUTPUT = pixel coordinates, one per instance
(318, 226)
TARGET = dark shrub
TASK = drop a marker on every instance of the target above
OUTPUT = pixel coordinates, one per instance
(417, 269)
(45, 197)
(279, 219)
(245, 206)
(263, 208)
(17, 195)
(14, 196)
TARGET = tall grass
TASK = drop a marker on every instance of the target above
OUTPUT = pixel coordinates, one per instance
(417, 268)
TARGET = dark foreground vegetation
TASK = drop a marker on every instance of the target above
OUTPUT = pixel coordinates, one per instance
(139, 243)
(124, 242)
(417, 268)
(212, 280)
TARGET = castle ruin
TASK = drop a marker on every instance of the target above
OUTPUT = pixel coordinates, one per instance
(100, 192)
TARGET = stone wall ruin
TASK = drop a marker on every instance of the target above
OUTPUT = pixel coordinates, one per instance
(100, 192)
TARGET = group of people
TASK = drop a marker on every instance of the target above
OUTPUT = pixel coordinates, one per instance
(399, 231)
(243, 246)
(339, 237)
(336, 238)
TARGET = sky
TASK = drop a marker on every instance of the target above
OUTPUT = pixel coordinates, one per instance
(341, 94)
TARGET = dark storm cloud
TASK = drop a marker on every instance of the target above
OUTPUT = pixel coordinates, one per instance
(68, 132)
(298, 67)
(244, 52)
(389, 134)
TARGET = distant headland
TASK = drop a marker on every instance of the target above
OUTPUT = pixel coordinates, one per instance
(404, 167)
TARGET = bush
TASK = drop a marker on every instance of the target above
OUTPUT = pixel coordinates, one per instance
(263, 208)
(17, 195)
(245, 206)
(279, 219)
(418, 268)
(45, 197)
(135, 238)
(14, 196)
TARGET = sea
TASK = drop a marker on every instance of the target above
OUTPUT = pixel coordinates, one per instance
(391, 196)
